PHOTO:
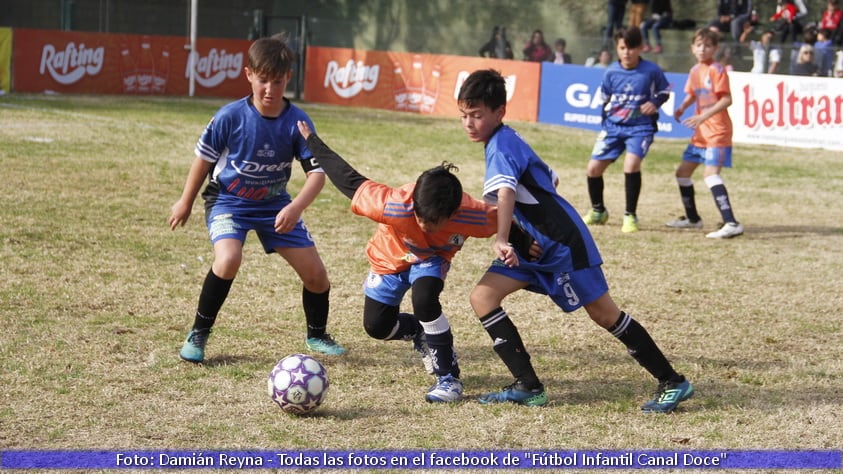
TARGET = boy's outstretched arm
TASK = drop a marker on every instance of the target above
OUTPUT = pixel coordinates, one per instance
(341, 174)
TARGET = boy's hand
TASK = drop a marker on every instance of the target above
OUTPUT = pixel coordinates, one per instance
(304, 129)
(693, 121)
(287, 218)
(179, 214)
(677, 114)
(649, 108)
(506, 254)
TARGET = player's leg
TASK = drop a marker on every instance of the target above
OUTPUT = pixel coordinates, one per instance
(438, 338)
(486, 299)
(715, 160)
(692, 157)
(227, 238)
(607, 149)
(316, 289)
(381, 316)
(673, 387)
(636, 149)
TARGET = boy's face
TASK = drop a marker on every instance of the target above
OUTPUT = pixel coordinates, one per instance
(479, 121)
(703, 49)
(629, 57)
(268, 93)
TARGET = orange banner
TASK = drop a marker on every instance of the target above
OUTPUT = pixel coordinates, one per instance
(416, 83)
(102, 63)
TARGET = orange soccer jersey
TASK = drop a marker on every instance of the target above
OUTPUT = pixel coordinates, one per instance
(708, 83)
(399, 242)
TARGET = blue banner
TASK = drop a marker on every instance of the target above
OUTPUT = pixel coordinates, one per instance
(570, 95)
(427, 459)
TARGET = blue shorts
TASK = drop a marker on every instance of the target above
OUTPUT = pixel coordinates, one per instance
(390, 289)
(230, 226)
(711, 156)
(569, 290)
(609, 146)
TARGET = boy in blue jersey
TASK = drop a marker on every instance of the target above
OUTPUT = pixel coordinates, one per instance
(633, 89)
(568, 270)
(246, 153)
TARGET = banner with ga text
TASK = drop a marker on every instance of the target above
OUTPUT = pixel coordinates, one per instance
(570, 95)
(104, 63)
(5, 60)
(415, 83)
(796, 111)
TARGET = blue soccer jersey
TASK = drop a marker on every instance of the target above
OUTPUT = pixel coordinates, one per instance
(253, 157)
(624, 91)
(556, 226)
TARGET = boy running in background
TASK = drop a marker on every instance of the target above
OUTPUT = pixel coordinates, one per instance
(569, 268)
(711, 144)
(246, 154)
(422, 225)
(633, 89)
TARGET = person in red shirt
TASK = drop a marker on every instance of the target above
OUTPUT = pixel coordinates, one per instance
(711, 144)
(831, 21)
(422, 225)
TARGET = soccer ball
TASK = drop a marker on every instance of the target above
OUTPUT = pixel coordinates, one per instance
(298, 384)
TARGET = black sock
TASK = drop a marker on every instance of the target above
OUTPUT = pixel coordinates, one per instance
(595, 192)
(632, 183)
(214, 292)
(689, 203)
(643, 349)
(315, 311)
(721, 199)
(441, 348)
(508, 346)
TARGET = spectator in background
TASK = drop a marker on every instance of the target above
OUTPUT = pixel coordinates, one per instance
(604, 58)
(636, 12)
(662, 17)
(824, 53)
(498, 46)
(805, 64)
(724, 57)
(731, 16)
(560, 56)
(787, 18)
(537, 50)
(809, 37)
(831, 21)
(838, 65)
(765, 57)
(616, 11)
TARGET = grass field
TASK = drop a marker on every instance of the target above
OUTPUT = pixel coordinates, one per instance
(97, 294)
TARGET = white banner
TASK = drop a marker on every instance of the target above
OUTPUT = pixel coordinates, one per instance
(796, 111)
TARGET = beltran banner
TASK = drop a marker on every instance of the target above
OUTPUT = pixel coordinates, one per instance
(570, 95)
(795, 111)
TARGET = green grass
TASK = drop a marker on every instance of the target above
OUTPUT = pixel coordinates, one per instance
(97, 294)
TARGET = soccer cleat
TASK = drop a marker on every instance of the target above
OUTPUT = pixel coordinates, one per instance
(668, 396)
(658, 49)
(630, 223)
(324, 344)
(729, 230)
(420, 346)
(595, 217)
(517, 393)
(684, 223)
(446, 389)
(193, 349)
(646, 48)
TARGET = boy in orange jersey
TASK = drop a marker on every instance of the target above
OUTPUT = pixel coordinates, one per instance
(422, 225)
(711, 144)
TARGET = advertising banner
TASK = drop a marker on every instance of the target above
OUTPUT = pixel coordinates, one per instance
(415, 83)
(795, 111)
(5, 60)
(103, 63)
(570, 95)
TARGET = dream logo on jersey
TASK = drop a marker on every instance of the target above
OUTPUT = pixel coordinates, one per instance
(251, 168)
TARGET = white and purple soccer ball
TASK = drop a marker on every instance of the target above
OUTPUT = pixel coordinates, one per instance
(298, 384)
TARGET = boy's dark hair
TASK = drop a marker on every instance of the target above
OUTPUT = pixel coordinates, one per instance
(485, 86)
(271, 57)
(438, 193)
(630, 36)
(706, 34)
